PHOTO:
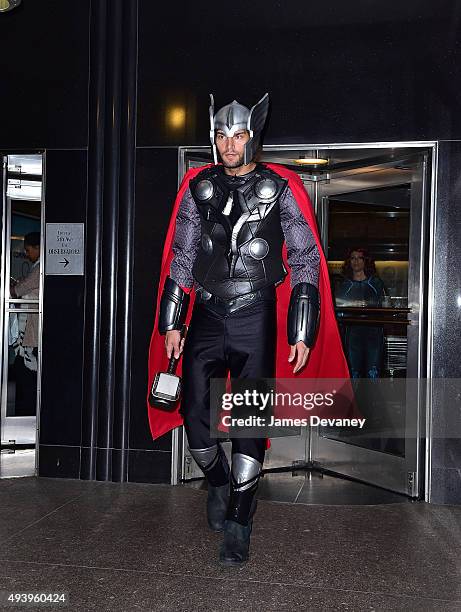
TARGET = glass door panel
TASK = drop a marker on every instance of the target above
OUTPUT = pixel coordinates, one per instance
(375, 245)
(21, 302)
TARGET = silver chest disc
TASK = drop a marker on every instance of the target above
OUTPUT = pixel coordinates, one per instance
(258, 248)
(266, 189)
(204, 190)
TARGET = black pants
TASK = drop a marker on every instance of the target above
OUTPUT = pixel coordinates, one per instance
(364, 350)
(242, 343)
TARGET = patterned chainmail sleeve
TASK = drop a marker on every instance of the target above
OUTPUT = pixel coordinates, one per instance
(302, 252)
(186, 241)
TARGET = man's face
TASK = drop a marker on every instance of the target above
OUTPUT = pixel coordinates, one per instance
(32, 252)
(231, 148)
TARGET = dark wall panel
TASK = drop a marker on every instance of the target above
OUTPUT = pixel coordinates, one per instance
(156, 186)
(447, 251)
(60, 418)
(446, 442)
(336, 72)
(44, 75)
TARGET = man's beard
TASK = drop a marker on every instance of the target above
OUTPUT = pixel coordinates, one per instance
(235, 164)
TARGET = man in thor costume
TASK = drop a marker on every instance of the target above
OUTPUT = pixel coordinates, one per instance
(238, 229)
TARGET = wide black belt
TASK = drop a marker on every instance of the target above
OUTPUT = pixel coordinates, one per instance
(225, 307)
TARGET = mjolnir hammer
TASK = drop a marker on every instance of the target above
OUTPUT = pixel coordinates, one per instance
(166, 387)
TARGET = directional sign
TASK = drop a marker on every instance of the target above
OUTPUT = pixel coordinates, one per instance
(64, 248)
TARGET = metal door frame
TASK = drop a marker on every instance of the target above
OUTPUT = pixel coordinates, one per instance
(400, 474)
(6, 301)
(177, 439)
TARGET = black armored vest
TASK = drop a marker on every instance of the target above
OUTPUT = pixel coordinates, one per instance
(242, 238)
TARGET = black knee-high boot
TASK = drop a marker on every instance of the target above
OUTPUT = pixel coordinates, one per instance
(245, 475)
(213, 462)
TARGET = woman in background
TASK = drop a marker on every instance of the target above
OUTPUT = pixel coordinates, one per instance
(362, 287)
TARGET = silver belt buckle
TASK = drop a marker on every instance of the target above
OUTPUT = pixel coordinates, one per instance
(250, 296)
(242, 301)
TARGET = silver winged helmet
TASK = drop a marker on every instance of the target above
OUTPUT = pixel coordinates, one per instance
(235, 116)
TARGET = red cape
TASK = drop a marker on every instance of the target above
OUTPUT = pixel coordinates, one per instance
(326, 358)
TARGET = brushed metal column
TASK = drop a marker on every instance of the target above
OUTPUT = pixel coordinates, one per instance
(108, 305)
(125, 243)
(94, 214)
(112, 101)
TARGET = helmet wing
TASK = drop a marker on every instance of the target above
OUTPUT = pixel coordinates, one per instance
(258, 115)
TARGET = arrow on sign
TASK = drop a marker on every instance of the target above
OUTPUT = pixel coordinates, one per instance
(65, 262)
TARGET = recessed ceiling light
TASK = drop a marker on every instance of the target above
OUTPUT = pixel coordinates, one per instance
(311, 161)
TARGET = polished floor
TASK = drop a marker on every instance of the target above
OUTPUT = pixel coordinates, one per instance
(316, 487)
(147, 547)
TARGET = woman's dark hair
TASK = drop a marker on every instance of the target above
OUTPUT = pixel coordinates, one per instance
(370, 268)
(32, 239)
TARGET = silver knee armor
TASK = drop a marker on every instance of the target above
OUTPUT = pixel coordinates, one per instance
(245, 471)
(206, 458)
